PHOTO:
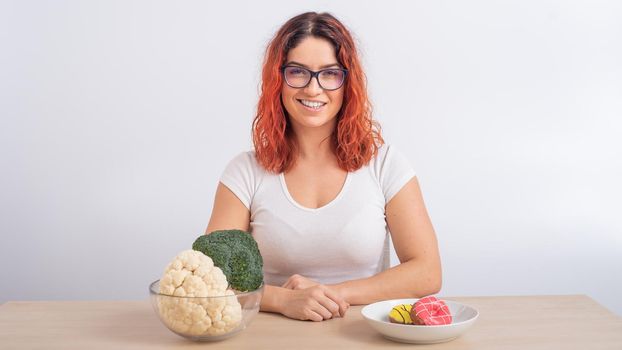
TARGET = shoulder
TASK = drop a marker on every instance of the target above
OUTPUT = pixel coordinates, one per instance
(246, 159)
(387, 157)
(244, 164)
(242, 176)
(392, 170)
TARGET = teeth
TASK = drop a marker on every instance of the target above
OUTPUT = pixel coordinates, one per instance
(312, 104)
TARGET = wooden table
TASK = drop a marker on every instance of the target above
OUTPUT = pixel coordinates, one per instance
(526, 322)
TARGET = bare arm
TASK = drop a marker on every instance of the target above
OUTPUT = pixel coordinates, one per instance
(228, 212)
(419, 271)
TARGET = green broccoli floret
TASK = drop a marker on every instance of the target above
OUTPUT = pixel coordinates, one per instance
(236, 253)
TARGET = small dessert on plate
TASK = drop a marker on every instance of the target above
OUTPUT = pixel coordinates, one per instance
(430, 311)
(401, 314)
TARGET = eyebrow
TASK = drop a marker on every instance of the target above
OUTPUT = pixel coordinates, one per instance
(322, 67)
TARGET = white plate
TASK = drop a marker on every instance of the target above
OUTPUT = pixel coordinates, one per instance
(377, 315)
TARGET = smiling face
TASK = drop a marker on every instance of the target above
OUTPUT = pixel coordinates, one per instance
(312, 106)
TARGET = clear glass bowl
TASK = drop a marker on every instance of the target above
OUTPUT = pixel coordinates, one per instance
(206, 318)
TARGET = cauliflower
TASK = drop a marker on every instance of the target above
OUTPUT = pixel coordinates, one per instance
(193, 274)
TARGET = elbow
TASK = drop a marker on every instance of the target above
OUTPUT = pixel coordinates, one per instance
(426, 278)
(430, 285)
(436, 285)
(436, 281)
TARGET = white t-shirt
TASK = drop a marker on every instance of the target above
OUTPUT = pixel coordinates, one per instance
(345, 239)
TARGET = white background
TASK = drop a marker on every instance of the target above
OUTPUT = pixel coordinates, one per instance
(119, 116)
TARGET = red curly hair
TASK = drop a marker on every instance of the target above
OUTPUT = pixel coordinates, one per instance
(356, 137)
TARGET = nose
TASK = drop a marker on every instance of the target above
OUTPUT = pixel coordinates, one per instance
(313, 88)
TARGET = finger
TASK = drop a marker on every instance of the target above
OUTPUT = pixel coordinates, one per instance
(330, 305)
(345, 309)
(313, 316)
(342, 304)
(324, 306)
(292, 282)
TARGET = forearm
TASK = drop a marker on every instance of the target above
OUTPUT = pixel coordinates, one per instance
(411, 279)
(272, 295)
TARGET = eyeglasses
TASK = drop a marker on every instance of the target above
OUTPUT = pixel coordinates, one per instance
(328, 79)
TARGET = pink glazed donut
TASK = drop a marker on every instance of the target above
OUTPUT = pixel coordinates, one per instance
(430, 311)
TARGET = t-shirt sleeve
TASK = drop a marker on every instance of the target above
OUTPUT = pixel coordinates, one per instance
(393, 170)
(240, 176)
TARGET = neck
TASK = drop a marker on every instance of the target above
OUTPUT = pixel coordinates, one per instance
(314, 144)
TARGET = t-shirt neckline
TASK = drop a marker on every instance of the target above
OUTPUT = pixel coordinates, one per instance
(327, 205)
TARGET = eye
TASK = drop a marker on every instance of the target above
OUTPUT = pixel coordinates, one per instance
(296, 71)
(332, 73)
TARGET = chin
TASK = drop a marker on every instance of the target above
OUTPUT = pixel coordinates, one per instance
(313, 121)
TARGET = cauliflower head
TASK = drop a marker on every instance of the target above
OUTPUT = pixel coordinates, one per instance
(193, 274)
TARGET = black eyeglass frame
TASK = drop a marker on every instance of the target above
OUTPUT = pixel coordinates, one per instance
(315, 75)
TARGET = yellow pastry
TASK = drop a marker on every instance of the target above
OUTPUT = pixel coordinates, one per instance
(401, 314)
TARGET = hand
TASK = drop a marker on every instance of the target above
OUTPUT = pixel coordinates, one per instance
(299, 282)
(316, 303)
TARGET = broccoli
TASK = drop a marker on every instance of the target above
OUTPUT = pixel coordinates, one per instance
(237, 255)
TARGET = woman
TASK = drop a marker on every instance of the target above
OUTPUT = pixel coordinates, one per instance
(321, 191)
